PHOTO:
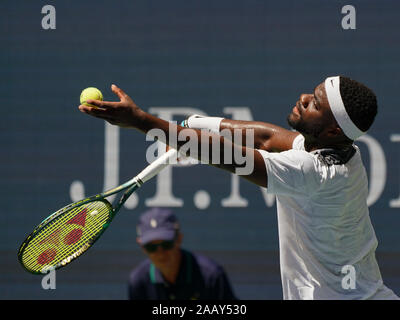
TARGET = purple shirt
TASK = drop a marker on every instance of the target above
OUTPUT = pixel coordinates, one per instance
(199, 278)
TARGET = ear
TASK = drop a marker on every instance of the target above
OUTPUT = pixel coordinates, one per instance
(334, 131)
(138, 241)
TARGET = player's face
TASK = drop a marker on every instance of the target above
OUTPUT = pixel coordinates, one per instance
(312, 115)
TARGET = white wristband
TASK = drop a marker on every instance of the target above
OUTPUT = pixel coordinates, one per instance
(208, 123)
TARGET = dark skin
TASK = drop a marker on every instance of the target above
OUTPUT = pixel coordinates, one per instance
(312, 112)
(126, 113)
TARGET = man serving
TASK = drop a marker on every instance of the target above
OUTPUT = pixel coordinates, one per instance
(316, 173)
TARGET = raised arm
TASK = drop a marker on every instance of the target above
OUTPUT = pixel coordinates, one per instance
(126, 113)
(267, 136)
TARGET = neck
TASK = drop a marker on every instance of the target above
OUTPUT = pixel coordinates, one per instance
(170, 272)
(312, 144)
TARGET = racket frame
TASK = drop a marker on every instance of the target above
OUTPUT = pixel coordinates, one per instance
(130, 186)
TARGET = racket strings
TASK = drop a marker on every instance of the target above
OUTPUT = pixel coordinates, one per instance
(66, 237)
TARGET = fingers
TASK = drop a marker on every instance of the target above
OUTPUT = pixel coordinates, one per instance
(103, 104)
(98, 113)
(85, 109)
(119, 92)
(122, 113)
(110, 104)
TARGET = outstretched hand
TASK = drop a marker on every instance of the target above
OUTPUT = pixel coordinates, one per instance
(124, 113)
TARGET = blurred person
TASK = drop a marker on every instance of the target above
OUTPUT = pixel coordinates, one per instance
(170, 272)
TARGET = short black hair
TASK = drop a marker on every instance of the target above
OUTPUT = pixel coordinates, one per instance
(360, 102)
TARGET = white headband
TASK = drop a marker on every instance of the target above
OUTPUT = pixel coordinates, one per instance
(332, 88)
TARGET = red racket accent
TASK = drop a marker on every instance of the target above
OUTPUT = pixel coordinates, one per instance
(79, 219)
(73, 236)
(46, 256)
(52, 238)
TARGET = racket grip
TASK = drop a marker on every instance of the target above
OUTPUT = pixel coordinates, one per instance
(156, 166)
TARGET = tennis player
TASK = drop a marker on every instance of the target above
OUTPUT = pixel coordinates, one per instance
(317, 174)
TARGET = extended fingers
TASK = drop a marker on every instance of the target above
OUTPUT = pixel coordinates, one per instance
(103, 104)
(103, 114)
(95, 111)
(122, 95)
(119, 92)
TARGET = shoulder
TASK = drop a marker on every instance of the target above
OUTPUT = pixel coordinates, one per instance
(207, 266)
(280, 139)
(139, 284)
(298, 142)
(293, 172)
(140, 274)
(357, 158)
(294, 159)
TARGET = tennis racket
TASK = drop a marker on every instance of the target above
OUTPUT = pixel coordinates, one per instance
(69, 232)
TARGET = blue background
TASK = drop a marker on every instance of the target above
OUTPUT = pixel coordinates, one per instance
(201, 54)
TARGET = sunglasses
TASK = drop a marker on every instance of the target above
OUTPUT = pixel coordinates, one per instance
(165, 245)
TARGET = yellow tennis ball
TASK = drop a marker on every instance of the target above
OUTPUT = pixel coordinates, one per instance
(90, 93)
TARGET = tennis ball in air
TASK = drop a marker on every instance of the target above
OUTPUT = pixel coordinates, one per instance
(90, 93)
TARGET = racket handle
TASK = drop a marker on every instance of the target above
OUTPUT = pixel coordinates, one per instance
(156, 166)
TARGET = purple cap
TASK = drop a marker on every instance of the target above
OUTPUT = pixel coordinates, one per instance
(157, 224)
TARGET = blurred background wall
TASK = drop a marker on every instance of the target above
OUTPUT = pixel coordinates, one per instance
(236, 59)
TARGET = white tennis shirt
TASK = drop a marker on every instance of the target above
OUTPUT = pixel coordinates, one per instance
(326, 239)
